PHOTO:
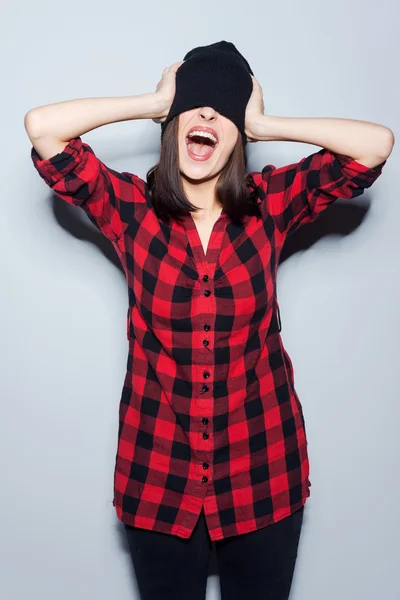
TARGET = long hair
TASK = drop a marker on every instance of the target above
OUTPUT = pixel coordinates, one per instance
(234, 189)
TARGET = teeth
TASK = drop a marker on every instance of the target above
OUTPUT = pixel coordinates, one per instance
(203, 134)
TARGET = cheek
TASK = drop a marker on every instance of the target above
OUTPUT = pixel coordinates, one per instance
(231, 137)
(229, 146)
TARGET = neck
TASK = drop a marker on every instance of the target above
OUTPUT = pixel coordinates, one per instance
(202, 194)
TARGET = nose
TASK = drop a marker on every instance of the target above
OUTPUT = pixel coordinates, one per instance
(207, 113)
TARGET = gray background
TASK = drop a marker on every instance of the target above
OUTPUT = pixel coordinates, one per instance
(64, 296)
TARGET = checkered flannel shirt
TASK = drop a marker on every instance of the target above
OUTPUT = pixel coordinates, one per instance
(208, 416)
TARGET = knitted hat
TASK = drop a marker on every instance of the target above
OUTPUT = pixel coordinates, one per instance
(218, 76)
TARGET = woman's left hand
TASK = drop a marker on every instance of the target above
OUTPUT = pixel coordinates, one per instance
(254, 110)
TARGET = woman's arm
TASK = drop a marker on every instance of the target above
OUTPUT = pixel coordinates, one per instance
(50, 127)
(366, 142)
(71, 168)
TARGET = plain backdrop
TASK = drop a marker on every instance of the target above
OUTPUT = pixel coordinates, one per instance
(64, 297)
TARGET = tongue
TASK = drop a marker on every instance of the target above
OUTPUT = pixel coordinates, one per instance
(200, 149)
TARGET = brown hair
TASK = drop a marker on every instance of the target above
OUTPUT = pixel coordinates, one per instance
(232, 190)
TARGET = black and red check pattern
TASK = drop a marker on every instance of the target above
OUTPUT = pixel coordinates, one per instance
(209, 415)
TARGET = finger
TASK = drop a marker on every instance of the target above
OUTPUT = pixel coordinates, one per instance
(176, 65)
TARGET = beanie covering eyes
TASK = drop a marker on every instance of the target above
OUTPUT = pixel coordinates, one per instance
(218, 76)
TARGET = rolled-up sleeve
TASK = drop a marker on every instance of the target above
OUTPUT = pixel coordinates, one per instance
(78, 176)
(298, 192)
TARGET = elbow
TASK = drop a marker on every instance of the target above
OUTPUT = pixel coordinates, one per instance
(381, 148)
(32, 125)
(387, 143)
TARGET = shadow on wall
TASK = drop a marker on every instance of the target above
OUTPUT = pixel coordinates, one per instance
(76, 222)
(341, 218)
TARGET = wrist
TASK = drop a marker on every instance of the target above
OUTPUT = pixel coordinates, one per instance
(160, 105)
(147, 106)
(262, 128)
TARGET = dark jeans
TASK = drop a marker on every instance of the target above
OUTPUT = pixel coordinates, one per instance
(258, 565)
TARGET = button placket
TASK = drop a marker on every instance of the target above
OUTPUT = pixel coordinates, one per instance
(204, 479)
(205, 388)
(206, 441)
(206, 341)
(205, 436)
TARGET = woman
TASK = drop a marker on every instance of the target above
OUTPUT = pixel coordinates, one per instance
(212, 448)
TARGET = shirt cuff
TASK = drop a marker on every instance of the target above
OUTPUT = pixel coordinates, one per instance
(358, 167)
(53, 169)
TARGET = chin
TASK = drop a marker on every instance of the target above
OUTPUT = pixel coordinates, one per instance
(198, 172)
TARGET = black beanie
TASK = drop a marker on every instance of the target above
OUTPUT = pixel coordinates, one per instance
(218, 76)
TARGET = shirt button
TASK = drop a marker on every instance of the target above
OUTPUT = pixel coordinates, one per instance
(204, 479)
(206, 328)
(207, 292)
(205, 342)
(206, 374)
(204, 420)
(205, 436)
(205, 277)
(205, 465)
(204, 388)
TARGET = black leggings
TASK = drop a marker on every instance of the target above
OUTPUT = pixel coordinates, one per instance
(258, 565)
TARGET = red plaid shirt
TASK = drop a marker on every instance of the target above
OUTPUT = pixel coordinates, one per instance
(209, 416)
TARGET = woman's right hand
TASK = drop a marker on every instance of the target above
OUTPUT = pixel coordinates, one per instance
(166, 91)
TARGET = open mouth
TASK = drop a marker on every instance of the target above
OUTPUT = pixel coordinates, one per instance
(201, 144)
